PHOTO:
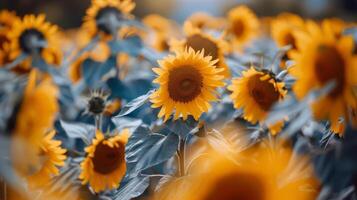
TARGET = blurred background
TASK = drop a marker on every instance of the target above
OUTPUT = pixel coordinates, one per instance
(69, 13)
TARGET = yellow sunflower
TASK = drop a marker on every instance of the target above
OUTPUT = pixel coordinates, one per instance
(104, 166)
(243, 25)
(7, 19)
(261, 173)
(256, 92)
(52, 156)
(322, 57)
(32, 28)
(188, 82)
(283, 27)
(106, 9)
(37, 110)
(202, 20)
(198, 40)
(163, 30)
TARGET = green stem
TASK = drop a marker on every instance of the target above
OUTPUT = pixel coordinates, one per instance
(98, 122)
(181, 157)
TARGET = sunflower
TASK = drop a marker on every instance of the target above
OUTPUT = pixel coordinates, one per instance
(163, 30)
(104, 166)
(188, 82)
(260, 173)
(256, 92)
(243, 25)
(202, 20)
(53, 156)
(7, 19)
(37, 110)
(198, 40)
(322, 57)
(337, 25)
(100, 15)
(33, 34)
(283, 27)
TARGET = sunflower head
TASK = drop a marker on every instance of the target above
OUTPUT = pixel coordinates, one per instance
(37, 110)
(97, 102)
(52, 156)
(163, 30)
(261, 173)
(283, 27)
(323, 57)
(104, 165)
(204, 21)
(198, 40)
(256, 92)
(104, 15)
(188, 82)
(243, 25)
(7, 19)
(31, 34)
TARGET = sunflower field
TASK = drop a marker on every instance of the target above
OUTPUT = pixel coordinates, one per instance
(231, 107)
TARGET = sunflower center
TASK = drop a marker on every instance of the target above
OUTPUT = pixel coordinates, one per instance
(197, 42)
(30, 40)
(238, 28)
(329, 65)
(108, 18)
(184, 83)
(263, 92)
(238, 186)
(96, 105)
(107, 159)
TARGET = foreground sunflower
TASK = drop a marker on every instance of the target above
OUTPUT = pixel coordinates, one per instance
(188, 82)
(199, 40)
(104, 166)
(102, 13)
(52, 156)
(256, 92)
(321, 58)
(38, 109)
(243, 25)
(32, 35)
(261, 173)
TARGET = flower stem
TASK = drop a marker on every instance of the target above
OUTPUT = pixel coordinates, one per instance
(98, 122)
(181, 157)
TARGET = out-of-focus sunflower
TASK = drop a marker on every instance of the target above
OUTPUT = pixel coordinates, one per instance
(104, 166)
(33, 34)
(100, 16)
(256, 92)
(283, 28)
(7, 19)
(337, 25)
(52, 156)
(198, 40)
(37, 110)
(202, 20)
(243, 25)
(188, 82)
(322, 57)
(262, 173)
(163, 30)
